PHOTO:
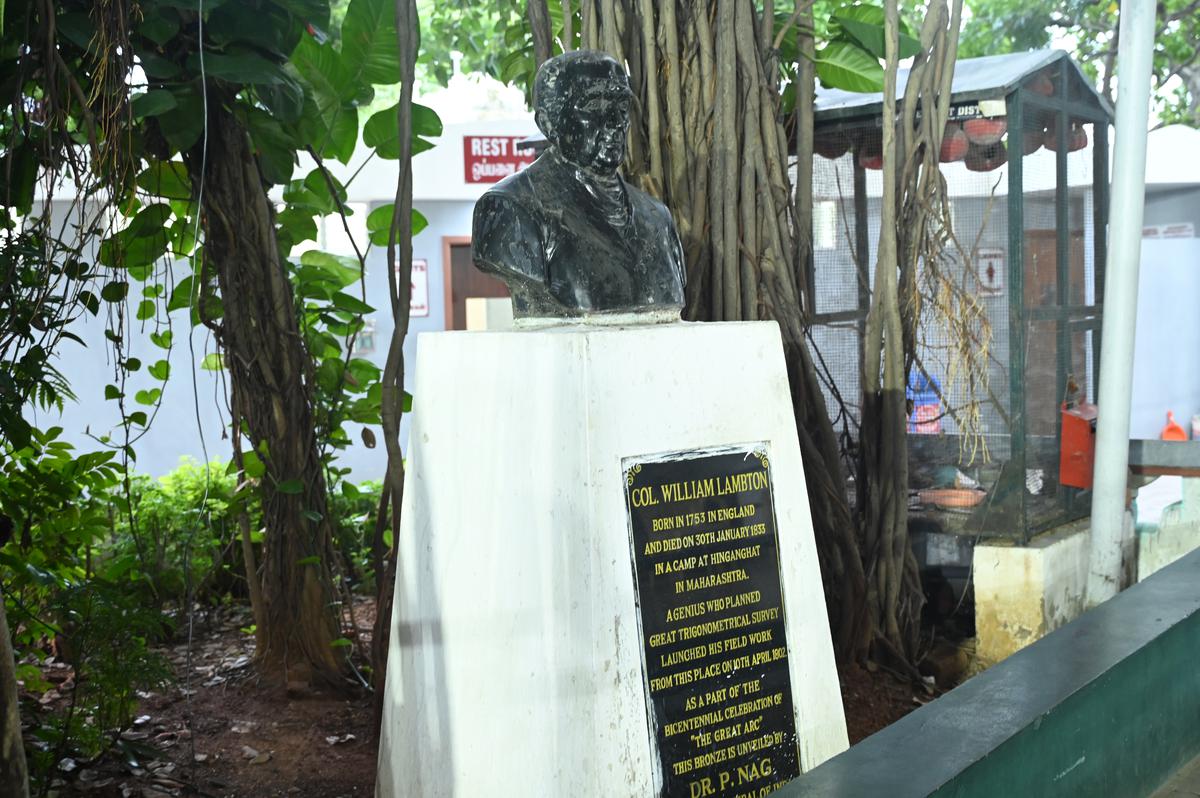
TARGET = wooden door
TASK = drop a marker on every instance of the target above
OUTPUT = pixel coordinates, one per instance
(463, 280)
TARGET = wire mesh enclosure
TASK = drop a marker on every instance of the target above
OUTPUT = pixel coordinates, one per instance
(1025, 160)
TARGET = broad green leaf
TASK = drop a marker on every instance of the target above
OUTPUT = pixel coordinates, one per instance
(351, 304)
(182, 125)
(166, 179)
(160, 370)
(284, 100)
(243, 68)
(157, 67)
(864, 25)
(369, 43)
(149, 397)
(213, 361)
(342, 137)
(341, 642)
(158, 27)
(161, 339)
(274, 146)
(112, 392)
(339, 268)
(382, 130)
(329, 374)
(253, 465)
(89, 301)
(145, 310)
(181, 296)
(844, 65)
(152, 103)
(115, 291)
(379, 223)
(138, 418)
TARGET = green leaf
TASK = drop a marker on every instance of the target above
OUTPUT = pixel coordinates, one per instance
(161, 339)
(161, 370)
(369, 42)
(158, 27)
(153, 103)
(343, 137)
(181, 296)
(313, 560)
(284, 100)
(291, 486)
(239, 68)
(350, 304)
(342, 270)
(213, 361)
(382, 130)
(329, 374)
(112, 392)
(157, 67)
(132, 364)
(75, 26)
(182, 125)
(167, 179)
(89, 301)
(149, 397)
(312, 515)
(844, 65)
(253, 465)
(115, 291)
(145, 310)
(341, 642)
(864, 25)
(406, 403)
(138, 418)
(274, 146)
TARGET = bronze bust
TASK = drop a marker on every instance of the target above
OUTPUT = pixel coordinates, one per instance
(568, 235)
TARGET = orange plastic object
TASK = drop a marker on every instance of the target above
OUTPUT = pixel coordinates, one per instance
(1077, 453)
(951, 497)
(1172, 432)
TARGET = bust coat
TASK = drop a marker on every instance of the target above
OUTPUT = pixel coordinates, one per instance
(554, 241)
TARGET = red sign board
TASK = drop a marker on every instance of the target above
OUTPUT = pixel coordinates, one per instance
(490, 159)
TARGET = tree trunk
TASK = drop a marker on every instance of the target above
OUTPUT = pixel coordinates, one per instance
(270, 369)
(14, 777)
(408, 33)
(707, 137)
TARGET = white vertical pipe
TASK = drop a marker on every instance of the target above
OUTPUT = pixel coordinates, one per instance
(1126, 204)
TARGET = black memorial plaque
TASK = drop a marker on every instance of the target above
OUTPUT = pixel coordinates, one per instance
(706, 561)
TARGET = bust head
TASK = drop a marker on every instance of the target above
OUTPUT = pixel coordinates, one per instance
(581, 104)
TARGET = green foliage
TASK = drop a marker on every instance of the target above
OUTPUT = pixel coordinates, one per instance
(58, 586)
(178, 533)
(353, 509)
(105, 636)
(995, 27)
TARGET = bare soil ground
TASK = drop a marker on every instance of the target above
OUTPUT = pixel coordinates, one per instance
(220, 733)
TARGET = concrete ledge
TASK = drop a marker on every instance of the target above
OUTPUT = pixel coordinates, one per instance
(1108, 705)
(1022, 593)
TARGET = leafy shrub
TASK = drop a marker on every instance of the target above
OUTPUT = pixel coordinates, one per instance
(180, 531)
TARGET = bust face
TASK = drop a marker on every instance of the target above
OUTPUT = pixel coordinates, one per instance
(592, 129)
(583, 108)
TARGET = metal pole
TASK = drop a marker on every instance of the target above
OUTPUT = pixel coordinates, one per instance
(1120, 298)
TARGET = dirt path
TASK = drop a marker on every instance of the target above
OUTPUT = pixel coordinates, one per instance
(219, 733)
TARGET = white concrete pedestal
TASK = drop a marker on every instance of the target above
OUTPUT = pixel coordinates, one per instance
(516, 666)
